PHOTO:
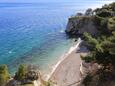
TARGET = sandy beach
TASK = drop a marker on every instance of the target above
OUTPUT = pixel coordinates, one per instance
(67, 72)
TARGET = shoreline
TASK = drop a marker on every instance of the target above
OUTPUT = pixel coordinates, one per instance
(63, 58)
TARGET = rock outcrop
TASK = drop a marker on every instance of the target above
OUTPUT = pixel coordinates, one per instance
(78, 25)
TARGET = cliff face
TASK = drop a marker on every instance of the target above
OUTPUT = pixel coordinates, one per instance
(78, 25)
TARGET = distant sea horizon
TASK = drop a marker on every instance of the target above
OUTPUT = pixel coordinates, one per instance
(34, 33)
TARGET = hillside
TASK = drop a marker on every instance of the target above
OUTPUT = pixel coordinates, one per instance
(97, 27)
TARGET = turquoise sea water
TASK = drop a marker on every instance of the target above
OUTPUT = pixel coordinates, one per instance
(34, 33)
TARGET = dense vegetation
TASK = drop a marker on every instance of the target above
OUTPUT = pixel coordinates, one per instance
(4, 75)
(24, 76)
(102, 47)
(21, 77)
(20, 74)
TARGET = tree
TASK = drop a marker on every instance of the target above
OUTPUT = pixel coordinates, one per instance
(20, 74)
(102, 12)
(89, 12)
(79, 14)
(94, 44)
(102, 49)
(4, 75)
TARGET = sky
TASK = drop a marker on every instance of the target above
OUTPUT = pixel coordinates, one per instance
(37, 1)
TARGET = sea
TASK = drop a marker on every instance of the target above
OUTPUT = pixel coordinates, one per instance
(34, 33)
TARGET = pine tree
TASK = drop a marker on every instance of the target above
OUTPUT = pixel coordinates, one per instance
(20, 74)
(4, 75)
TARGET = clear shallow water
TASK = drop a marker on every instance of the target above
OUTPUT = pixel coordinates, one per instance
(34, 33)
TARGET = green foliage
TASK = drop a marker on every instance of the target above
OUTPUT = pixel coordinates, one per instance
(102, 49)
(111, 45)
(79, 14)
(89, 12)
(104, 18)
(4, 74)
(111, 24)
(101, 24)
(90, 39)
(88, 58)
(20, 74)
(106, 10)
(49, 83)
(94, 44)
(104, 13)
(27, 85)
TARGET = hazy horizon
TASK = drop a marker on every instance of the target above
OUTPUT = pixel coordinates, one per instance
(45, 1)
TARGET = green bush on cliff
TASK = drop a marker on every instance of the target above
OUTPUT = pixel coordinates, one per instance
(102, 49)
(101, 46)
(104, 18)
(20, 74)
(88, 58)
(101, 25)
(94, 44)
(111, 24)
(104, 13)
(106, 10)
(103, 53)
(4, 74)
(89, 12)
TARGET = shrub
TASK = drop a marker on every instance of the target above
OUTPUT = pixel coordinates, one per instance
(111, 24)
(88, 58)
(4, 74)
(20, 74)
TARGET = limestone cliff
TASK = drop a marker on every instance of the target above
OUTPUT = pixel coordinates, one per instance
(78, 25)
